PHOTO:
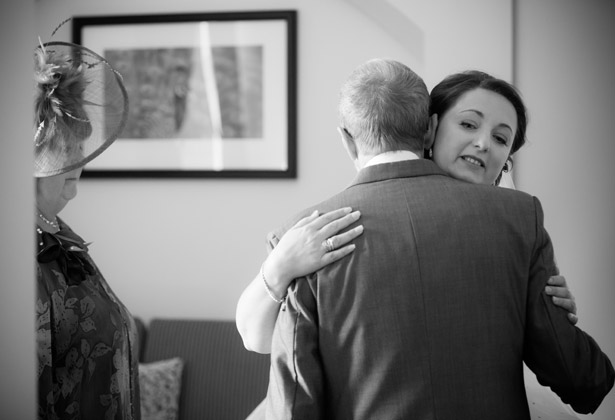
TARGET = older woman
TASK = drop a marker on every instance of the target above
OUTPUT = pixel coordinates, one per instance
(87, 358)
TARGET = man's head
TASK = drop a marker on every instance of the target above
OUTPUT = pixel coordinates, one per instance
(384, 106)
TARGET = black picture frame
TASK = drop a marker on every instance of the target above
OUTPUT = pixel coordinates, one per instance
(211, 95)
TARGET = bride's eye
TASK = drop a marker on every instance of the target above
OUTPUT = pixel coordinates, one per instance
(468, 125)
(501, 139)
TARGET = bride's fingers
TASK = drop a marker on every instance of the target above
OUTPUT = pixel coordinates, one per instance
(558, 291)
(306, 219)
(329, 217)
(337, 241)
(335, 226)
(567, 304)
(333, 256)
(557, 281)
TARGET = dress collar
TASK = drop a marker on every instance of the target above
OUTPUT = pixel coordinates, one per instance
(68, 249)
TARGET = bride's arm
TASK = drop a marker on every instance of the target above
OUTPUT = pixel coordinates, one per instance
(301, 251)
(557, 287)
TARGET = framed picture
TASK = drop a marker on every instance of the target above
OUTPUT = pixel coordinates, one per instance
(210, 94)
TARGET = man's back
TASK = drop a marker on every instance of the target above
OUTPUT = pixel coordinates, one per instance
(428, 318)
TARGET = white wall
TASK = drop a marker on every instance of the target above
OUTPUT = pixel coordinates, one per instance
(565, 69)
(187, 248)
(18, 356)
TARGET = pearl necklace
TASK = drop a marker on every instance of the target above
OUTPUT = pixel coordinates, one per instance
(40, 232)
(53, 224)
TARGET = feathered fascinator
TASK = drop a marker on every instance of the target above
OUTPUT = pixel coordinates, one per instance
(80, 107)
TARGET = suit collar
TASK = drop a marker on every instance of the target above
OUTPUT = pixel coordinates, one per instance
(401, 169)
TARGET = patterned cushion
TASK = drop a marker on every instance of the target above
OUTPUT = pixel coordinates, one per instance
(160, 384)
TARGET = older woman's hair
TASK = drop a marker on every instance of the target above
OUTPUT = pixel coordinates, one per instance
(384, 106)
(446, 94)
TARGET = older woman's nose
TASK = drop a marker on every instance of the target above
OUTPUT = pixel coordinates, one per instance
(70, 189)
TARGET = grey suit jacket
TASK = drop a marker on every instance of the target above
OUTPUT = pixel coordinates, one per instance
(433, 314)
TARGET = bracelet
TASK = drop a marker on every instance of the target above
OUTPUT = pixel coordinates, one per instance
(268, 289)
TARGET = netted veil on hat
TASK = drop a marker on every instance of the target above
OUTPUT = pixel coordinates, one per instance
(80, 107)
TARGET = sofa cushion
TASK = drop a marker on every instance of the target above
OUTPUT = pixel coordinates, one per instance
(221, 379)
(160, 384)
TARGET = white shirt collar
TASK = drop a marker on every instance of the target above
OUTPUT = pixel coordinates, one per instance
(394, 156)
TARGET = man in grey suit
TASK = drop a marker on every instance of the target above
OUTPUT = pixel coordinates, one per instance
(434, 313)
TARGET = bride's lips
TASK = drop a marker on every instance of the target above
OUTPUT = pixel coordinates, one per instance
(473, 160)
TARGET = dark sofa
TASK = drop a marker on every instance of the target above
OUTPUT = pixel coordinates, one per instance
(220, 380)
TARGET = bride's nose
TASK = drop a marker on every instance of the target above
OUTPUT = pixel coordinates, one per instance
(482, 141)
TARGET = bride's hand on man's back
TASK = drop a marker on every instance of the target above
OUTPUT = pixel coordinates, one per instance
(314, 242)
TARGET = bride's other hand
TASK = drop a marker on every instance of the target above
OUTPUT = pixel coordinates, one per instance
(314, 242)
(562, 296)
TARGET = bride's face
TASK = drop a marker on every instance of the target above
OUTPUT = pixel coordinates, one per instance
(473, 138)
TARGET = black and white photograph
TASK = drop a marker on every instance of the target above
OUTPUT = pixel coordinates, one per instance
(307, 210)
(211, 95)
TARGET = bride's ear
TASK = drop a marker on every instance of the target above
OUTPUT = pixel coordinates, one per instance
(430, 135)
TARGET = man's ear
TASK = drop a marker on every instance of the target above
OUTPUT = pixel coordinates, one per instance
(430, 135)
(349, 144)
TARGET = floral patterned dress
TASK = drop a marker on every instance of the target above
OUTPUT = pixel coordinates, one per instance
(87, 355)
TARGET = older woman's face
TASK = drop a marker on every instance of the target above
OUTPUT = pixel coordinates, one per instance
(474, 137)
(53, 192)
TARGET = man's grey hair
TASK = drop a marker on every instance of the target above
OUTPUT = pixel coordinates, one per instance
(384, 106)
